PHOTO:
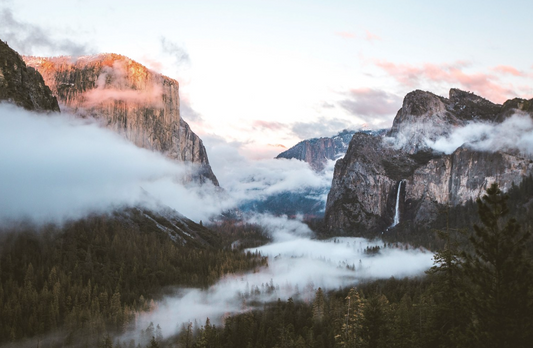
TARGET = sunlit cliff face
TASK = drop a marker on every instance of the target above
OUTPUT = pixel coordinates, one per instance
(122, 95)
(93, 81)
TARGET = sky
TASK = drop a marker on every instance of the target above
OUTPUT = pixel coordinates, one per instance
(263, 75)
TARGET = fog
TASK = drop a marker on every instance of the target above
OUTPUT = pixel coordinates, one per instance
(515, 133)
(57, 167)
(297, 267)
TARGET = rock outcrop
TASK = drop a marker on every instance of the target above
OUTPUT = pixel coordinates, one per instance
(318, 151)
(23, 85)
(141, 105)
(365, 183)
(426, 116)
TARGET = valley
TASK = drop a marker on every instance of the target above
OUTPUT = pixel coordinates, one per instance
(118, 230)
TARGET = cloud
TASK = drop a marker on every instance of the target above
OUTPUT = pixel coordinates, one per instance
(297, 267)
(248, 180)
(508, 70)
(152, 63)
(30, 39)
(178, 53)
(55, 167)
(371, 37)
(372, 105)
(188, 113)
(268, 125)
(113, 84)
(277, 145)
(487, 85)
(513, 134)
(323, 127)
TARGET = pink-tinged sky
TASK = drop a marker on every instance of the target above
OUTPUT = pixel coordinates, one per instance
(260, 74)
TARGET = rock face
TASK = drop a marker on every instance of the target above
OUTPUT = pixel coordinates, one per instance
(318, 151)
(23, 85)
(365, 185)
(426, 116)
(141, 105)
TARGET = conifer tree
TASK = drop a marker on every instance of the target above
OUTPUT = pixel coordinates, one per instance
(500, 274)
(449, 316)
(348, 333)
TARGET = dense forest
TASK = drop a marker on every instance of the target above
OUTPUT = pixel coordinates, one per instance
(480, 295)
(92, 276)
(82, 284)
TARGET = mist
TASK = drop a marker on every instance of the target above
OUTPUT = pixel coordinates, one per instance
(59, 167)
(249, 180)
(513, 134)
(56, 167)
(297, 267)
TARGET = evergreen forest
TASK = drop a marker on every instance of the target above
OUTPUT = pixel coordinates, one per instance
(84, 283)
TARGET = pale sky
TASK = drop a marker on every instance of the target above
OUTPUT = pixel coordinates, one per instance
(258, 74)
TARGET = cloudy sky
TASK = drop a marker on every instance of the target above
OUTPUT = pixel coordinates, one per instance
(261, 74)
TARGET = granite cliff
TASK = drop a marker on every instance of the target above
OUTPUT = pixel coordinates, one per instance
(141, 105)
(23, 85)
(362, 199)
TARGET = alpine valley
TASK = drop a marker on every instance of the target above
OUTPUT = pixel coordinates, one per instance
(413, 236)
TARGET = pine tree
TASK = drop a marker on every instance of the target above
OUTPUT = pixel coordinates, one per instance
(348, 332)
(449, 316)
(318, 305)
(500, 274)
(376, 322)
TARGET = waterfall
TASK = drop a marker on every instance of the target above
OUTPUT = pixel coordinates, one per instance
(397, 208)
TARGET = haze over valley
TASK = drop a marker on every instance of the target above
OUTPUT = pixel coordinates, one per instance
(228, 184)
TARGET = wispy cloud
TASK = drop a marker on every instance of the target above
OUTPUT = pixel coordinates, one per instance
(508, 70)
(374, 106)
(515, 133)
(488, 85)
(178, 53)
(371, 37)
(57, 167)
(30, 39)
(297, 267)
(268, 125)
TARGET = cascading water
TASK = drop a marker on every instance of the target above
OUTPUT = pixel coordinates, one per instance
(397, 208)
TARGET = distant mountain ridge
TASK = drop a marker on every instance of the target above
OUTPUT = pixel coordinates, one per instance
(139, 104)
(318, 151)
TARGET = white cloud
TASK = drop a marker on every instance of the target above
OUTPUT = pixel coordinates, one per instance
(56, 167)
(59, 167)
(244, 179)
(515, 133)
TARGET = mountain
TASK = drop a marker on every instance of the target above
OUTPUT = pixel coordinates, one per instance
(376, 172)
(23, 85)
(141, 105)
(318, 151)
